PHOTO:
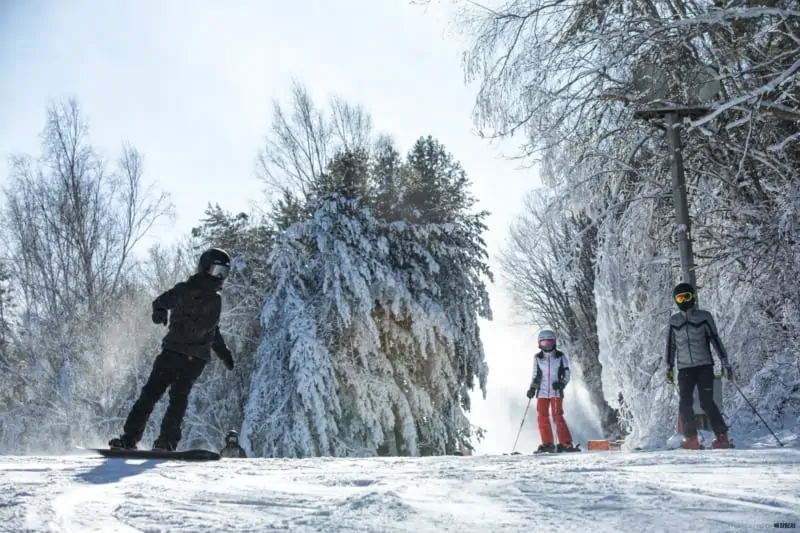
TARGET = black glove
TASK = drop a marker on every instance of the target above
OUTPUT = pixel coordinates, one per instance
(226, 358)
(159, 316)
(559, 386)
(535, 384)
(727, 372)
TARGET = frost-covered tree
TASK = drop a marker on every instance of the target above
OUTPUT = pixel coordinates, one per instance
(70, 225)
(568, 77)
(304, 138)
(362, 347)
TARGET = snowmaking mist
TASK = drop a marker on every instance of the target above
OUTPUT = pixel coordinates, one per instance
(510, 348)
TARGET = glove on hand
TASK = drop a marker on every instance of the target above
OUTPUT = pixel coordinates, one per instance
(559, 385)
(159, 316)
(727, 372)
(670, 376)
(534, 388)
(226, 358)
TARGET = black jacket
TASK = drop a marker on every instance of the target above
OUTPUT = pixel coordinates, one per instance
(195, 307)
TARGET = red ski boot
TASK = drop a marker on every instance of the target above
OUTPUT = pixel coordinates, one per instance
(721, 442)
(692, 443)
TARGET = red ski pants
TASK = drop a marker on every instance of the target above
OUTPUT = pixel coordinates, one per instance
(543, 408)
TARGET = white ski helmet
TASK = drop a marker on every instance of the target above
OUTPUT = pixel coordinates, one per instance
(549, 338)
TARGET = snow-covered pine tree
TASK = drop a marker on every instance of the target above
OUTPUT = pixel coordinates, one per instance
(358, 350)
(292, 404)
(390, 308)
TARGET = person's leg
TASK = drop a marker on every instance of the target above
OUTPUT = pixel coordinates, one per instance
(564, 436)
(160, 377)
(188, 370)
(705, 386)
(687, 380)
(545, 429)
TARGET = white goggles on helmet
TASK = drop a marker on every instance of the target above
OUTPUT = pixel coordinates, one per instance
(218, 271)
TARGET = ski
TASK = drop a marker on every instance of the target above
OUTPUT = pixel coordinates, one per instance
(183, 455)
(577, 448)
(702, 449)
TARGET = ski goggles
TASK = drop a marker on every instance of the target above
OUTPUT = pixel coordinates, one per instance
(547, 343)
(684, 297)
(218, 271)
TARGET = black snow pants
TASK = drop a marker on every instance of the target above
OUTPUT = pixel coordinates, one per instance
(701, 377)
(172, 370)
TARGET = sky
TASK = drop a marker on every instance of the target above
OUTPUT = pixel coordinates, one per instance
(191, 85)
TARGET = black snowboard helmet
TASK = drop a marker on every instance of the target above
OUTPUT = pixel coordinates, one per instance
(232, 437)
(684, 296)
(214, 263)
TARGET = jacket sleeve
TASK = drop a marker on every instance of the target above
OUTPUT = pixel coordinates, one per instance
(218, 344)
(670, 348)
(536, 378)
(564, 371)
(715, 340)
(168, 299)
(242, 453)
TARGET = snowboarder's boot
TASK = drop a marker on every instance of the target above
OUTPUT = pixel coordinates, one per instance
(123, 442)
(164, 444)
(692, 443)
(721, 442)
(567, 448)
(546, 448)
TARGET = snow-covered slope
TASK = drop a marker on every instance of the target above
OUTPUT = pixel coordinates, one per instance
(709, 491)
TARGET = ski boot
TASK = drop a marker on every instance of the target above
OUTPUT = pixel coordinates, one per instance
(546, 448)
(123, 442)
(165, 445)
(721, 442)
(692, 443)
(567, 448)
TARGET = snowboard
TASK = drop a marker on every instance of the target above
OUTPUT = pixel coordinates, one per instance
(182, 455)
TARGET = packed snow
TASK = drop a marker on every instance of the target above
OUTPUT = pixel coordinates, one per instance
(710, 491)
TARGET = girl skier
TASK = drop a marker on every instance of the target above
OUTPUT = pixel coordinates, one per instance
(550, 376)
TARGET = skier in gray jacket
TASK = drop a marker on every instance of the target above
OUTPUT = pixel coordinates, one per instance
(689, 339)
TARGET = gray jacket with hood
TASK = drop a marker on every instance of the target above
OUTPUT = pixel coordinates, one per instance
(689, 340)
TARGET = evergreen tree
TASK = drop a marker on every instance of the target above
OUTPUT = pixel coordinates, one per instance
(435, 186)
(387, 167)
(366, 344)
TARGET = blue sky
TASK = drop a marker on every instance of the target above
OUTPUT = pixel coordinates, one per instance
(190, 84)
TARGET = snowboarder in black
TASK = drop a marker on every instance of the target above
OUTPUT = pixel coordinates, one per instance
(232, 448)
(691, 333)
(194, 308)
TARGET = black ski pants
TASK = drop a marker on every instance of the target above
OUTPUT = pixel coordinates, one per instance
(701, 377)
(172, 370)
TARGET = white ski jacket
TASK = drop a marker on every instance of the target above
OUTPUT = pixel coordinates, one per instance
(549, 367)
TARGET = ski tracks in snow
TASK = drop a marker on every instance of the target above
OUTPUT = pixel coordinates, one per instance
(730, 491)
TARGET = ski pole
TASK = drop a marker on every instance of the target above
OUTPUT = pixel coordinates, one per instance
(756, 412)
(513, 450)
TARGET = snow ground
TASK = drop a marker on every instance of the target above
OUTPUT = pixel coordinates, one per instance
(709, 491)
